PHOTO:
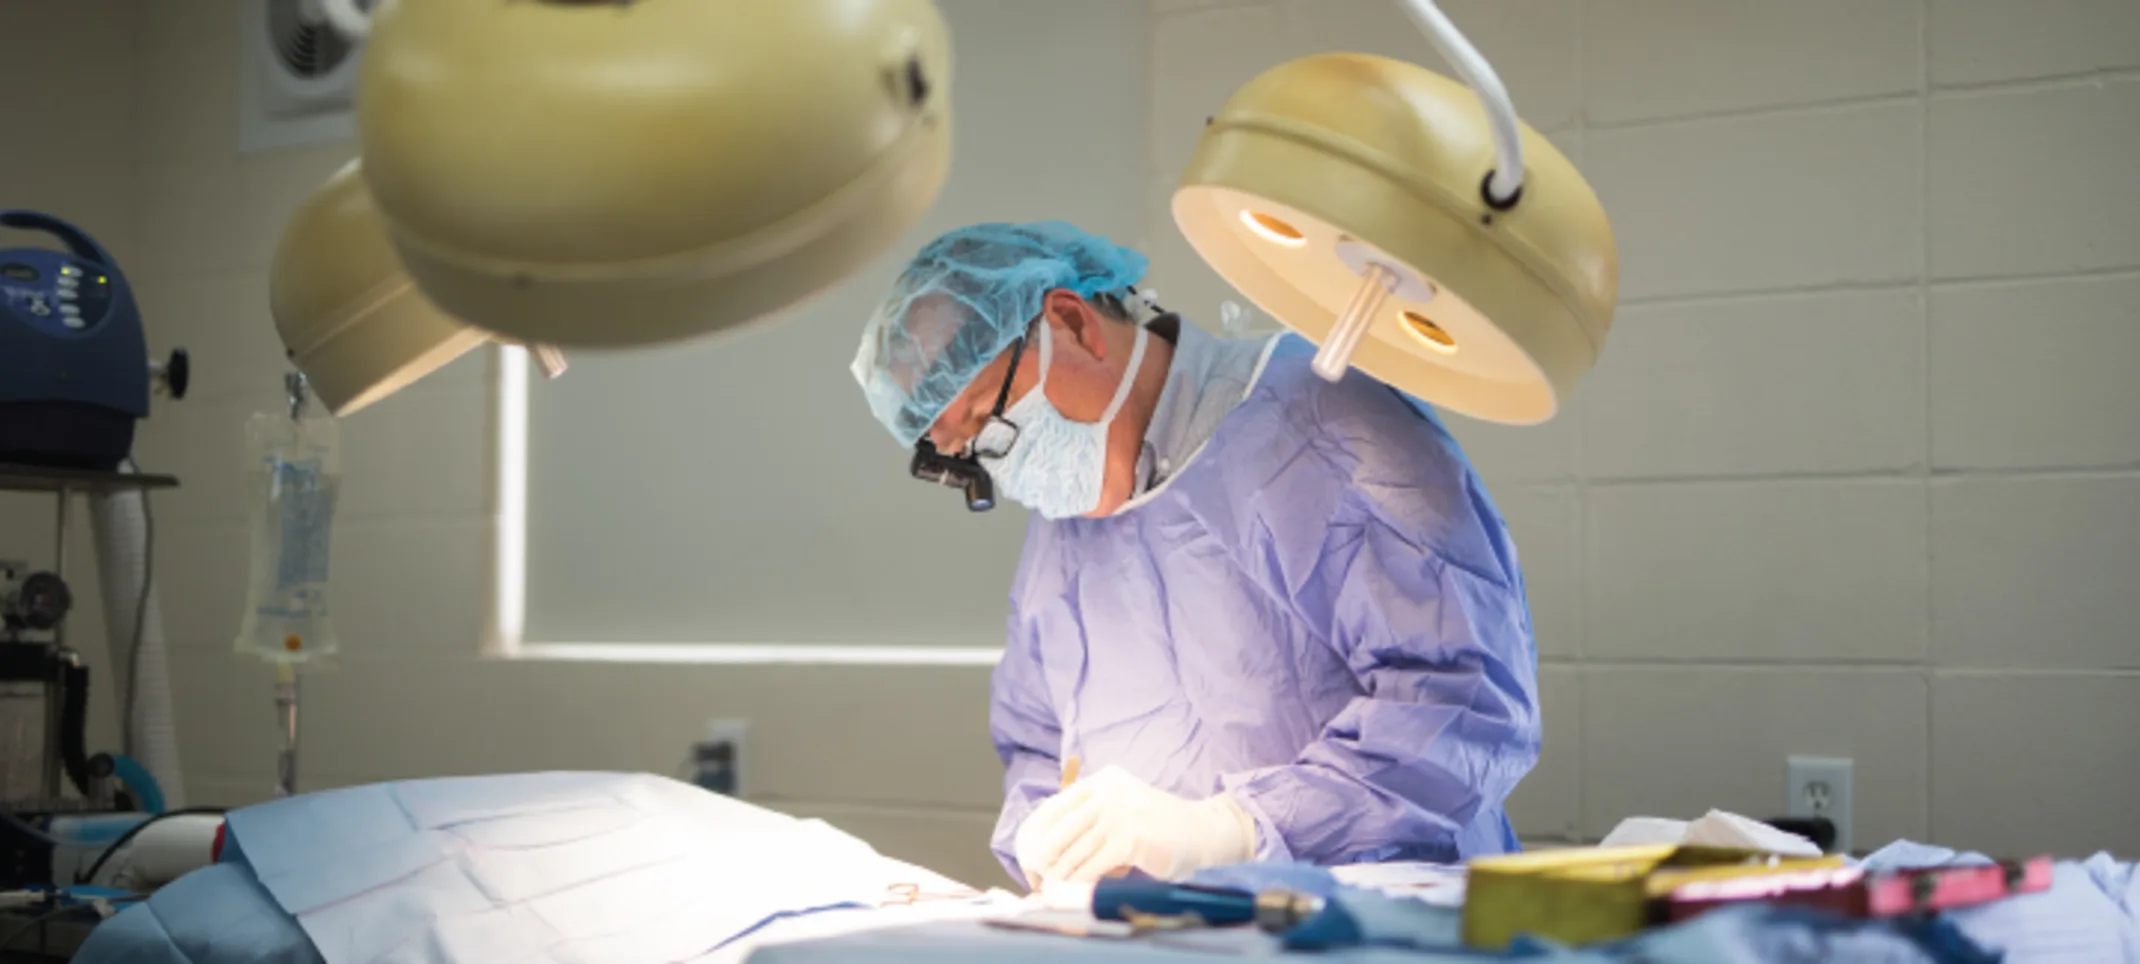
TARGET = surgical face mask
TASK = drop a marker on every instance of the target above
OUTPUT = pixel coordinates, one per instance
(1057, 466)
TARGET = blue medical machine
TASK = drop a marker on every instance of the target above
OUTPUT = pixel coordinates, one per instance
(74, 364)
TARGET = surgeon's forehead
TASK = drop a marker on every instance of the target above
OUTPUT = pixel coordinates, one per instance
(917, 343)
(932, 322)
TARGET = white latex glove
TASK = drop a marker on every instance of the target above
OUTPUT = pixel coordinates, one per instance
(1112, 822)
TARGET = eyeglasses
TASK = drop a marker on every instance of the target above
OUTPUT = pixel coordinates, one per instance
(993, 441)
(998, 434)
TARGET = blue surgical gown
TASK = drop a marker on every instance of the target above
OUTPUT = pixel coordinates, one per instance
(1321, 614)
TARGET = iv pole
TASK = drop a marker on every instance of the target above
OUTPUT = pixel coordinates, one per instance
(298, 391)
(286, 710)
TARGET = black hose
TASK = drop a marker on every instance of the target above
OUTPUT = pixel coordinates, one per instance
(73, 725)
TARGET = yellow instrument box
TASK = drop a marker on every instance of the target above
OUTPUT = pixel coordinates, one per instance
(1589, 894)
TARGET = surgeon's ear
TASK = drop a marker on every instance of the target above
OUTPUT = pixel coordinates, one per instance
(1077, 318)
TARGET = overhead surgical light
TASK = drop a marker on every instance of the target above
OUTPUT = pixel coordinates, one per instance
(606, 174)
(1407, 226)
(597, 173)
(349, 317)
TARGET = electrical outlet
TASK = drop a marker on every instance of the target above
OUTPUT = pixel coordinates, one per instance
(1819, 786)
(718, 760)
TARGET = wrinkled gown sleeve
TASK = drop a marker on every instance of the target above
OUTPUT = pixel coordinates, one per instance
(1406, 569)
(1022, 723)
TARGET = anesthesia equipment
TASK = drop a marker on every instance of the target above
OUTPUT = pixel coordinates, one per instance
(74, 366)
(44, 700)
(44, 705)
(75, 380)
(698, 166)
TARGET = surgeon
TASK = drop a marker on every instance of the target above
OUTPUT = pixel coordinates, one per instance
(1258, 615)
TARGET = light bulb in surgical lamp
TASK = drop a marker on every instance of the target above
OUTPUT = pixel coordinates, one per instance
(1380, 169)
(1273, 230)
(1424, 328)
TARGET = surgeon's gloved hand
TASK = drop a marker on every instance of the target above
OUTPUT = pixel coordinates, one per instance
(1112, 822)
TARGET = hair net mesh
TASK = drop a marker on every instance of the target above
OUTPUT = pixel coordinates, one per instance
(962, 300)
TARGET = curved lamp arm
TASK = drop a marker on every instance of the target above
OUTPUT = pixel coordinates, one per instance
(1502, 187)
(1507, 178)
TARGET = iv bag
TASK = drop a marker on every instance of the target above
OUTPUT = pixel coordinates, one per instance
(295, 475)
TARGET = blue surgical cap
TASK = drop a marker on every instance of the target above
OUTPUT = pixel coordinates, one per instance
(962, 300)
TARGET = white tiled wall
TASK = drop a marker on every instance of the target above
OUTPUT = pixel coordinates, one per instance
(1995, 341)
(1655, 59)
(1855, 477)
(1792, 199)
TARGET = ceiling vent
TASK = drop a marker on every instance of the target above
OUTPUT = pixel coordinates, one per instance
(297, 73)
